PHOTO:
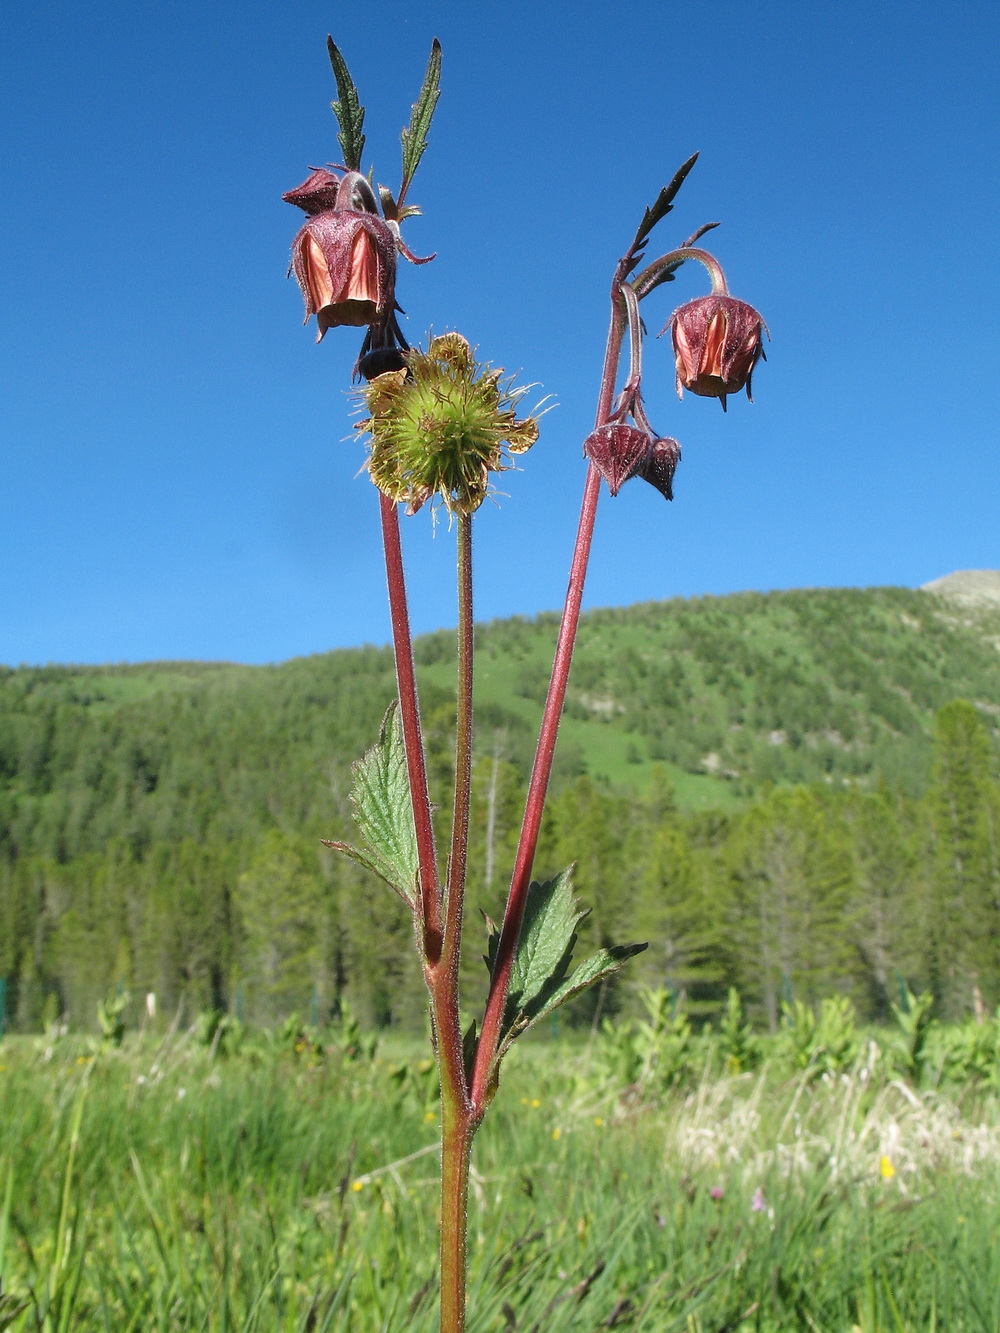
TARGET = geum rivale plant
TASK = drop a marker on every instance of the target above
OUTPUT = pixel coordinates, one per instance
(439, 425)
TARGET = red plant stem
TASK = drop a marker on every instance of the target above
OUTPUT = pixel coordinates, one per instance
(542, 766)
(409, 711)
(458, 1126)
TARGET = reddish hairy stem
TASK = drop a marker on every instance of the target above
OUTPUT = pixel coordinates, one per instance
(409, 712)
(545, 750)
(457, 1130)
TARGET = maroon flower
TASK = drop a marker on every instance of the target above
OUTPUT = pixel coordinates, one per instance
(620, 452)
(617, 451)
(316, 193)
(717, 343)
(660, 465)
(345, 263)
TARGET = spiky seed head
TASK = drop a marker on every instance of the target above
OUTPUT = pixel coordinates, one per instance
(442, 425)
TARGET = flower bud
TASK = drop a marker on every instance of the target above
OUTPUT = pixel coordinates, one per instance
(660, 466)
(620, 452)
(617, 451)
(380, 360)
(345, 263)
(317, 192)
(717, 343)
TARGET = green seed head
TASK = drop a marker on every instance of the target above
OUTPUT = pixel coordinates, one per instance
(440, 427)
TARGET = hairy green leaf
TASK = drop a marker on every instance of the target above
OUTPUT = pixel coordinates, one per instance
(382, 808)
(415, 137)
(539, 982)
(603, 964)
(348, 110)
(545, 946)
(539, 978)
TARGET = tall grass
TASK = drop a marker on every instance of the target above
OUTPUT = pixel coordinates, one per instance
(292, 1187)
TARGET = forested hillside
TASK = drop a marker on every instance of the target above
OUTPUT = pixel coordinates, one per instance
(778, 790)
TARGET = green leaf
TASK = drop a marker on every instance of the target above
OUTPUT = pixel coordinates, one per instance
(601, 965)
(545, 946)
(415, 138)
(10, 1308)
(384, 813)
(348, 111)
(539, 982)
(539, 978)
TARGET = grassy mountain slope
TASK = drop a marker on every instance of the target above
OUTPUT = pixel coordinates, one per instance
(725, 693)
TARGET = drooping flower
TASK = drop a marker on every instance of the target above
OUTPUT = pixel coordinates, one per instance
(345, 263)
(717, 342)
(661, 464)
(758, 1204)
(441, 426)
(620, 451)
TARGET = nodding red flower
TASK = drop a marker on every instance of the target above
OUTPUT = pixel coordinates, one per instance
(661, 464)
(617, 451)
(345, 263)
(620, 451)
(717, 343)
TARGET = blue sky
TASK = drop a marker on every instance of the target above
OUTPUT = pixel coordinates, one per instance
(175, 480)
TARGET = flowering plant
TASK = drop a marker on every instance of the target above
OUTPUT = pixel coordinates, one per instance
(439, 425)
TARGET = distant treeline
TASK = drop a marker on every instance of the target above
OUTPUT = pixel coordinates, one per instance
(160, 826)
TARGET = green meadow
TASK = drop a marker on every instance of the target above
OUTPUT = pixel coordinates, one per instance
(821, 1179)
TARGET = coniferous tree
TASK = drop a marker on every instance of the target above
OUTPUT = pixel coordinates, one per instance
(962, 803)
(791, 881)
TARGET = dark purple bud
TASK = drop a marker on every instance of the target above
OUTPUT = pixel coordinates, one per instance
(717, 343)
(379, 360)
(660, 466)
(317, 192)
(617, 451)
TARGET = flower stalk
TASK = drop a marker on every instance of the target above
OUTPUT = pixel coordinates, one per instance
(409, 708)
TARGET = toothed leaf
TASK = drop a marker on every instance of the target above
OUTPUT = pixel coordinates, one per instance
(540, 978)
(601, 965)
(415, 137)
(545, 946)
(383, 811)
(348, 110)
(663, 204)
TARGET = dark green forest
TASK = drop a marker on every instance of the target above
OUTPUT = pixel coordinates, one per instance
(794, 793)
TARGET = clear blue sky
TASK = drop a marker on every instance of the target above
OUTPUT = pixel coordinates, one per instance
(174, 476)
